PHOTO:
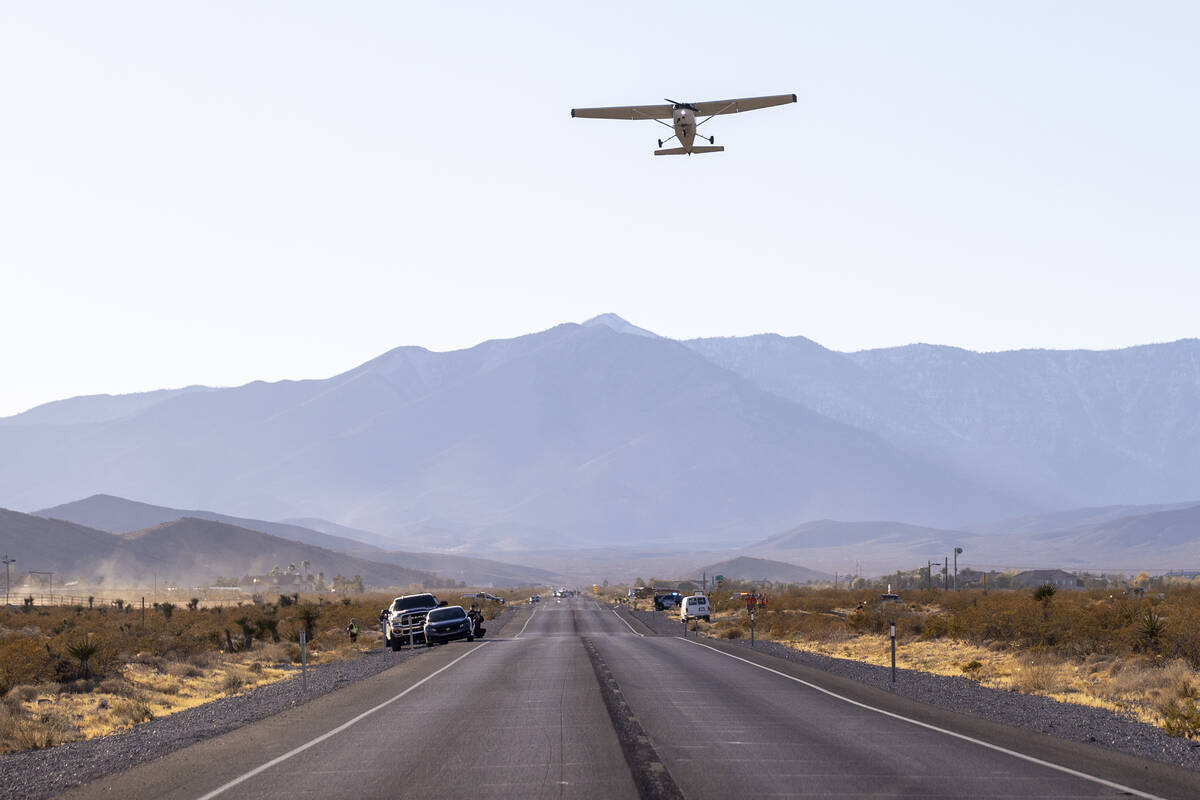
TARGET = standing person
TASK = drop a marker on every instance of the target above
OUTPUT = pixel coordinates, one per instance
(352, 629)
(476, 621)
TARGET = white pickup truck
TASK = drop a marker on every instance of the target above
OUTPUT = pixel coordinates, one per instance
(405, 623)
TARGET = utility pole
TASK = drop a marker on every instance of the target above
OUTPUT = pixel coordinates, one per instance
(957, 552)
(946, 573)
(7, 561)
(928, 575)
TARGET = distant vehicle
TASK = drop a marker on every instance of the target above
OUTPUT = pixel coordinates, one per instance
(683, 118)
(664, 601)
(446, 624)
(483, 596)
(535, 598)
(889, 598)
(406, 619)
(694, 607)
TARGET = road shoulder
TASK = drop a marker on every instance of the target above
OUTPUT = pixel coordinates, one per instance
(232, 754)
(1146, 775)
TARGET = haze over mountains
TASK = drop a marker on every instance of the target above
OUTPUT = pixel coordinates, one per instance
(189, 550)
(132, 519)
(605, 434)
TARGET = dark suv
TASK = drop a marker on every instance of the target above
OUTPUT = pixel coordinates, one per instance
(447, 624)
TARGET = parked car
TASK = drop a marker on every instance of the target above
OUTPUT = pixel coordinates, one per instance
(694, 607)
(535, 598)
(664, 601)
(406, 619)
(446, 624)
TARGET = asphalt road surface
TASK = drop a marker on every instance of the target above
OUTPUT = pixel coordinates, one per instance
(575, 702)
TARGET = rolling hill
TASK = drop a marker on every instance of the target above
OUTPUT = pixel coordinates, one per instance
(119, 515)
(186, 550)
(762, 569)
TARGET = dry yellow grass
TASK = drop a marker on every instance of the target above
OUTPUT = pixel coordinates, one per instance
(41, 716)
(1133, 685)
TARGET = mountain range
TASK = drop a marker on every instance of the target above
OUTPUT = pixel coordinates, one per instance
(604, 434)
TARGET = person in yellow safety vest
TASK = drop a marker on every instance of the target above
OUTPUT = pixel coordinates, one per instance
(352, 629)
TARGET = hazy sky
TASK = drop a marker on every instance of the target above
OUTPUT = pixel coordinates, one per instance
(219, 192)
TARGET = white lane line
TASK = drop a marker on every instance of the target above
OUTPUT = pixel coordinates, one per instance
(627, 625)
(1031, 759)
(280, 759)
(526, 625)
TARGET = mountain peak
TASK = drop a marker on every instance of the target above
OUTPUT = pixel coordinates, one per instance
(619, 325)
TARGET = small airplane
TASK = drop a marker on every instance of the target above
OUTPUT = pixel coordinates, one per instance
(683, 118)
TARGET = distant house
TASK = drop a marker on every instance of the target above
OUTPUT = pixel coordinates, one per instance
(1059, 579)
(285, 580)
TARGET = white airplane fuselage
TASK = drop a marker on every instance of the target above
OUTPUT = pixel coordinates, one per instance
(684, 120)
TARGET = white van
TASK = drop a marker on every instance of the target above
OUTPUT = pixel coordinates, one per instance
(694, 607)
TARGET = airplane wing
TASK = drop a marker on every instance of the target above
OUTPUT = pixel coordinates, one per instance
(713, 107)
(624, 112)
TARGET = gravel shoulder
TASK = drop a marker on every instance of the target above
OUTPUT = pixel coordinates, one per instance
(1034, 712)
(46, 773)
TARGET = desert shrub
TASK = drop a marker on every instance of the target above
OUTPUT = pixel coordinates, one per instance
(132, 710)
(1182, 635)
(182, 669)
(731, 633)
(1181, 718)
(81, 686)
(37, 735)
(1037, 673)
(118, 686)
(1044, 592)
(83, 650)
(233, 682)
(1150, 628)
(972, 666)
(23, 659)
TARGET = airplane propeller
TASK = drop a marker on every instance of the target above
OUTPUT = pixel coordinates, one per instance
(678, 104)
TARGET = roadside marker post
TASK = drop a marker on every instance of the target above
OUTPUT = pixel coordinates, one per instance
(304, 659)
(893, 625)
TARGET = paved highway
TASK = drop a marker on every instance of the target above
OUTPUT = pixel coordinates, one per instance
(574, 702)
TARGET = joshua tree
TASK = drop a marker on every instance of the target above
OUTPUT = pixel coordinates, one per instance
(248, 629)
(83, 650)
(308, 616)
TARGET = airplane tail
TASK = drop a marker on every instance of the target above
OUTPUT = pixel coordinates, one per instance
(679, 151)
